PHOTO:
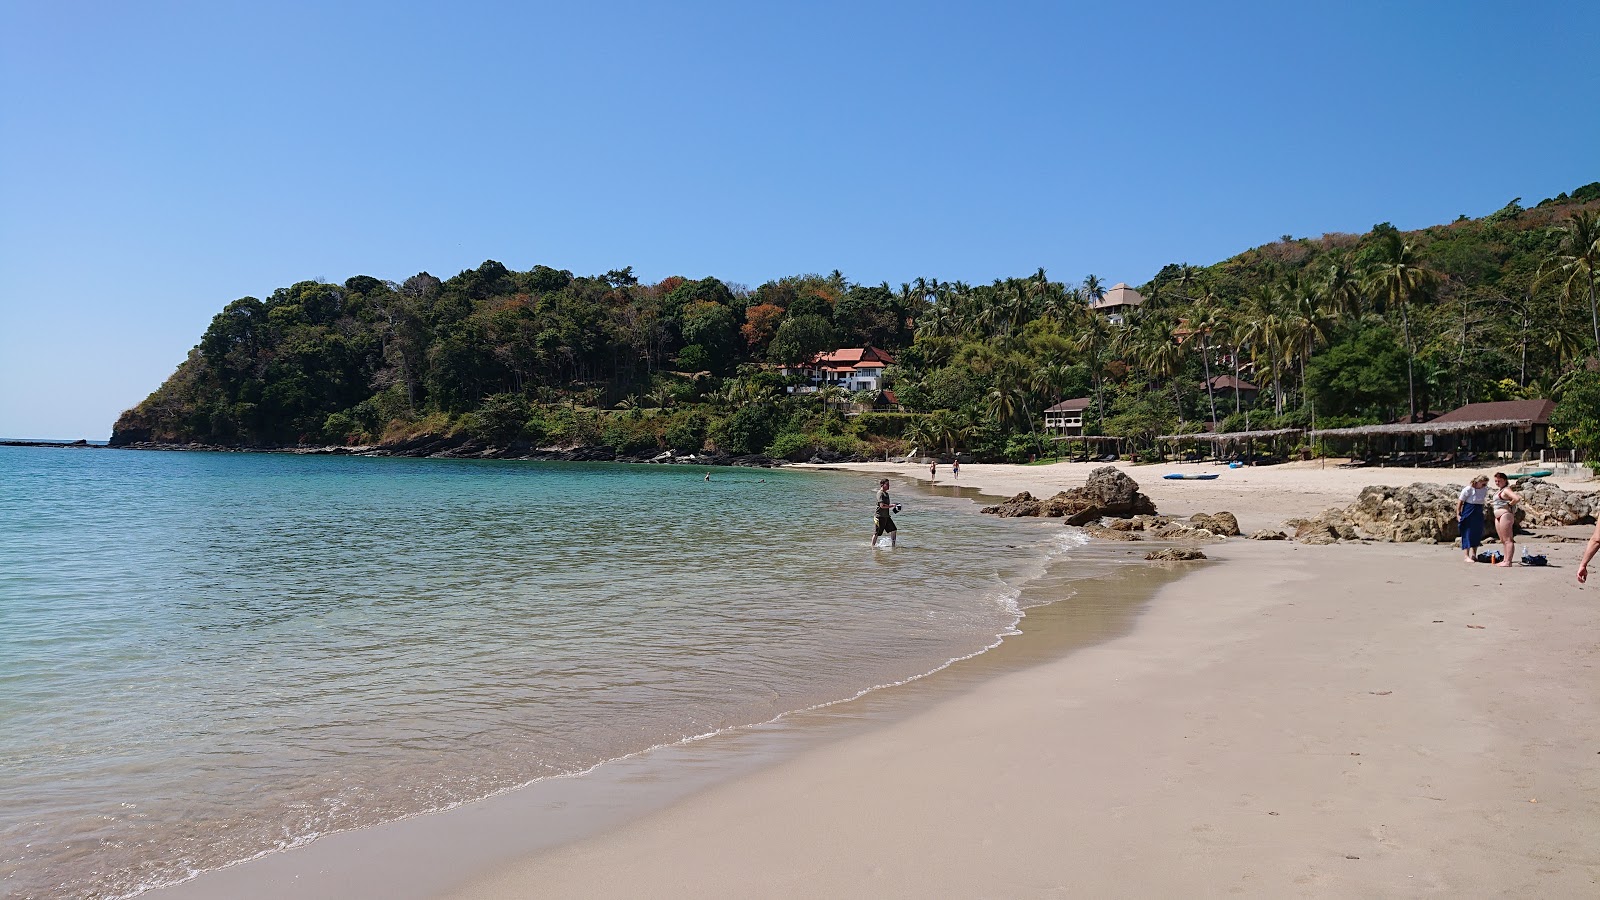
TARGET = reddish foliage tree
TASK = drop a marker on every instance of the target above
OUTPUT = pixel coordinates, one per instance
(761, 323)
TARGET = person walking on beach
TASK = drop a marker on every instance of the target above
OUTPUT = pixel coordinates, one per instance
(933, 470)
(882, 522)
(1469, 515)
(1589, 551)
(1505, 517)
(955, 468)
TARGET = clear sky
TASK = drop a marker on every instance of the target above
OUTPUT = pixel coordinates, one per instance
(159, 159)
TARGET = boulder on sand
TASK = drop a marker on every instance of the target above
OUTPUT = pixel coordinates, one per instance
(1108, 492)
(1416, 513)
(1222, 523)
(1175, 554)
(1546, 505)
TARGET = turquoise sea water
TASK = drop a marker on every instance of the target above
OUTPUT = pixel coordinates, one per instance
(208, 656)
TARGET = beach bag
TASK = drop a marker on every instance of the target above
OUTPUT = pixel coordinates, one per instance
(1534, 559)
(1487, 557)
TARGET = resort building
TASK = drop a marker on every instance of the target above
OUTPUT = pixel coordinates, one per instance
(1524, 423)
(1225, 384)
(1066, 417)
(850, 368)
(1117, 303)
(1477, 432)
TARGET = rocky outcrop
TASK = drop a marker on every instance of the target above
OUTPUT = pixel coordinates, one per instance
(1222, 523)
(1416, 513)
(1023, 504)
(1175, 554)
(1266, 534)
(1546, 505)
(1108, 492)
(1096, 530)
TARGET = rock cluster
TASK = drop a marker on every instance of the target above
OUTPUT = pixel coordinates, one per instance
(1201, 527)
(1426, 513)
(1546, 505)
(1175, 554)
(1108, 492)
(1414, 513)
(1266, 534)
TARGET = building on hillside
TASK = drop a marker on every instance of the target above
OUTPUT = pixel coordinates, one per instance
(1066, 417)
(1117, 303)
(1225, 384)
(850, 368)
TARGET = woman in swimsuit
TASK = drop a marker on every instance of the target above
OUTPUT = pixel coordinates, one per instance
(1505, 517)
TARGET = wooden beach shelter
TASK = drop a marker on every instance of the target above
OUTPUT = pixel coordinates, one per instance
(1505, 429)
(1222, 440)
(1089, 440)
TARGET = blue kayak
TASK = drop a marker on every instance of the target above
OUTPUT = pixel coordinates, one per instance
(1179, 476)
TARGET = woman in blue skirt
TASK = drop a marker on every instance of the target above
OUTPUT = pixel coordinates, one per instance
(1469, 515)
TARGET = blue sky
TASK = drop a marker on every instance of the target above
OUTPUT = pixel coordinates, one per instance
(158, 160)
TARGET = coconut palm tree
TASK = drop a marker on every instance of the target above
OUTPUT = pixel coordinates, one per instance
(1093, 340)
(1396, 274)
(1574, 262)
(1205, 317)
(1092, 291)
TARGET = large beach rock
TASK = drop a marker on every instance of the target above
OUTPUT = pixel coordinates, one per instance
(1416, 513)
(1330, 527)
(1222, 523)
(1546, 505)
(1109, 492)
(1174, 554)
(1023, 504)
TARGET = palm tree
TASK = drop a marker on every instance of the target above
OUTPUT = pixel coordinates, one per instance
(1341, 290)
(1395, 273)
(830, 395)
(1205, 317)
(1093, 290)
(1093, 341)
(1574, 262)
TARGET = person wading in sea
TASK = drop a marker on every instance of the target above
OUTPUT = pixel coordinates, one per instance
(883, 523)
(1589, 551)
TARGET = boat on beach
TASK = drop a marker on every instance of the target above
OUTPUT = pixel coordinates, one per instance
(1193, 476)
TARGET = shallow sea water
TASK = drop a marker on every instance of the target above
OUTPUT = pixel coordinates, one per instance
(205, 657)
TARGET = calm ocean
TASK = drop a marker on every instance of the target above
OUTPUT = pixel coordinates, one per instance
(209, 656)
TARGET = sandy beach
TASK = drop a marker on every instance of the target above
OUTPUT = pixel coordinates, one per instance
(1260, 496)
(1283, 720)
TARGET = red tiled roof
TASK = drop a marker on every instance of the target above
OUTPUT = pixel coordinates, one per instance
(1535, 411)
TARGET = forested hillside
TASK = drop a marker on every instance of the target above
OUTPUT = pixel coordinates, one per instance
(1349, 328)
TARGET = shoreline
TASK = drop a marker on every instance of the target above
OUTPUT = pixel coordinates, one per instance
(703, 802)
(402, 858)
(1343, 720)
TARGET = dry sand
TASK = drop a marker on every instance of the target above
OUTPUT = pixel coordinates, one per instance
(1342, 721)
(1283, 721)
(1260, 496)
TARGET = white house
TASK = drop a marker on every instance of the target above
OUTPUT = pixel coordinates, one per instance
(1066, 417)
(851, 368)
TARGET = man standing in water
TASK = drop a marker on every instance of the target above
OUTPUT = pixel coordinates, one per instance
(883, 523)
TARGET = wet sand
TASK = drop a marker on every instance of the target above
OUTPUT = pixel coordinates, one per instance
(1340, 721)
